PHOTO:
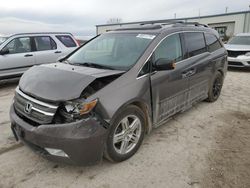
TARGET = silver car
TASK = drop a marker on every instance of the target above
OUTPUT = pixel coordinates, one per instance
(238, 48)
(19, 52)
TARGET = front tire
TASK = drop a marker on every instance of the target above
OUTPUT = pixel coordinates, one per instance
(126, 134)
(215, 87)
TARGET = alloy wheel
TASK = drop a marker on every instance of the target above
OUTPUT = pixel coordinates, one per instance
(127, 134)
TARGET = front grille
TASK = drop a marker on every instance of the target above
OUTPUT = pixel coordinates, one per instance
(235, 63)
(37, 111)
(236, 53)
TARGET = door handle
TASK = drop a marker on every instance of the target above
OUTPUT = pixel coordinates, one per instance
(58, 52)
(28, 55)
(188, 73)
(192, 72)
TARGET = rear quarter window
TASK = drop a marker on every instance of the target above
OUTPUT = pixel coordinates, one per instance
(213, 42)
(195, 43)
(66, 40)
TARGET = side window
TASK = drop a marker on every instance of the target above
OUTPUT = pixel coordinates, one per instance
(195, 43)
(66, 40)
(19, 45)
(212, 42)
(170, 48)
(45, 43)
(145, 69)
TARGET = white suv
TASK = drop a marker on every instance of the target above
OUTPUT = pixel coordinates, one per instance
(21, 51)
(238, 48)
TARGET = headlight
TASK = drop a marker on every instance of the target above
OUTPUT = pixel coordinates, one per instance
(247, 54)
(79, 108)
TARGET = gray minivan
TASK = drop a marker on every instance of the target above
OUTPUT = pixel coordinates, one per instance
(103, 98)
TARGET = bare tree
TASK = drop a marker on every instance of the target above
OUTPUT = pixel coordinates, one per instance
(114, 20)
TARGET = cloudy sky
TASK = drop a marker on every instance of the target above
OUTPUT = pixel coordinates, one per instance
(81, 16)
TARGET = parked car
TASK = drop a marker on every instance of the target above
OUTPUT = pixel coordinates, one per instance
(19, 52)
(238, 48)
(103, 98)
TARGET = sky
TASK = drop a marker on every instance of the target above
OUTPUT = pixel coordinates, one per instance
(80, 16)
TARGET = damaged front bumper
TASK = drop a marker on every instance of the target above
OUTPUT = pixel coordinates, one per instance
(80, 142)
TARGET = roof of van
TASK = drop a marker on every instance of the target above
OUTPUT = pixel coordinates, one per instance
(162, 27)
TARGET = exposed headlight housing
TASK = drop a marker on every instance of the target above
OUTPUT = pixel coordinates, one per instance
(80, 108)
(73, 110)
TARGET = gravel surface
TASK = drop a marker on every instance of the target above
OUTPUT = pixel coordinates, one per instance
(206, 146)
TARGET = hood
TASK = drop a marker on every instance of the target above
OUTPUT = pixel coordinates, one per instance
(60, 82)
(235, 47)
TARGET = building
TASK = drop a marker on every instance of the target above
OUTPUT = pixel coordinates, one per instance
(226, 24)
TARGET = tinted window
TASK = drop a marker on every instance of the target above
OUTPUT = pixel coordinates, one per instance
(212, 42)
(195, 43)
(66, 40)
(170, 48)
(19, 45)
(45, 43)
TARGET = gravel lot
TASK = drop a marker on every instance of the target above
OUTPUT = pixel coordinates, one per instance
(206, 146)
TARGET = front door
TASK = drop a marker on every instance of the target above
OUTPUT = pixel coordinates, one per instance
(170, 87)
(19, 58)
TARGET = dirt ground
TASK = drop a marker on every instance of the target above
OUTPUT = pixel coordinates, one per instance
(206, 146)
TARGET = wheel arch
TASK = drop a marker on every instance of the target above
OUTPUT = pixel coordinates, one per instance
(145, 109)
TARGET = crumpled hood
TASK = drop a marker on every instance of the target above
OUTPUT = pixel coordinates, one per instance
(60, 82)
(234, 47)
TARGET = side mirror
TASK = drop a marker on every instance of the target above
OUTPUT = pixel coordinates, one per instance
(164, 64)
(4, 51)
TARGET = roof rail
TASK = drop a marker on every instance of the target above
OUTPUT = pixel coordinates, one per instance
(31, 33)
(192, 23)
(158, 25)
(174, 22)
(161, 22)
(139, 28)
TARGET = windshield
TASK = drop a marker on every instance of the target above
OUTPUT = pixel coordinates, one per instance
(114, 51)
(240, 40)
(2, 39)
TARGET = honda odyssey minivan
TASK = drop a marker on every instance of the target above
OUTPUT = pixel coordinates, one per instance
(103, 98)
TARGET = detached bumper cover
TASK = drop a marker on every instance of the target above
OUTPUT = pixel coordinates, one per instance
(82, 141)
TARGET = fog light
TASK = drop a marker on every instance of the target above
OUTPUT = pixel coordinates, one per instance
(56, 152)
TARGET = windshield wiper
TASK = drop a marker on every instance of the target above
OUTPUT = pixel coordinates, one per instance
(89, 64)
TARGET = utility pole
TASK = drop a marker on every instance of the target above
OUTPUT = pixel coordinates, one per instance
(174, 15)
(226, 10)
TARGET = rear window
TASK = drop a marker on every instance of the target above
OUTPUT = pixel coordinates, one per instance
(212, 42)
(195, 43)
(66, 40)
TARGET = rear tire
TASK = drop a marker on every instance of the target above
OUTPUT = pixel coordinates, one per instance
(215, 87)
(126, 134)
